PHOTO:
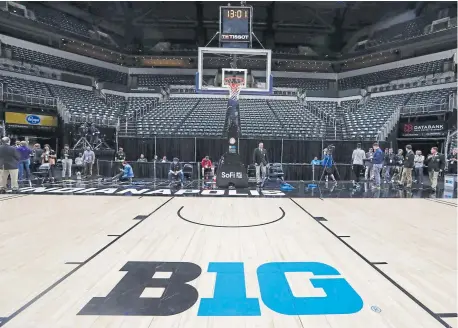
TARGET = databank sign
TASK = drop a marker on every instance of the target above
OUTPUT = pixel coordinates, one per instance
(424, 129)
(176, 294)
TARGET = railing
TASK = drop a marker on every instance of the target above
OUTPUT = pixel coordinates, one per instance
(88, 118)
(320, 114)
(62, 110)
(142, 111)
(29, 98)
(425, 108)
(448, 143)
(389, 125)
(2, 129)
(158, 171)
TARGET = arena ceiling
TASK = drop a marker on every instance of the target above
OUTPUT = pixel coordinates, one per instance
(323, 26)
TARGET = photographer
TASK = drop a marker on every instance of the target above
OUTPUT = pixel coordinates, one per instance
(126, 173)
(328, 164)
(176, 170)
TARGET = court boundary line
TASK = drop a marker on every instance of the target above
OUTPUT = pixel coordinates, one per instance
(439, 201)
(13, 196)
(224, 226)
(383, 274)
(66, 276)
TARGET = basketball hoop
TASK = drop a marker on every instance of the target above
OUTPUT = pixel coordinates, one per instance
(235, 84)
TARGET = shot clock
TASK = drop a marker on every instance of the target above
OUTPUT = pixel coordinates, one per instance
(235, 27)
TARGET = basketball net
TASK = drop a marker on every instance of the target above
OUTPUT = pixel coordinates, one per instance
(235, 85)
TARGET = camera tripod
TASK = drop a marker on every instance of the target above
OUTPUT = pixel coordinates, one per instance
(82, 144)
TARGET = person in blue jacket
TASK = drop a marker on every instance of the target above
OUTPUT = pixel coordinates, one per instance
(377, 163)
(127, 172)
(328, 167)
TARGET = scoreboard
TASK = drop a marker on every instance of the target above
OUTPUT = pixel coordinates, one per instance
(235, 27)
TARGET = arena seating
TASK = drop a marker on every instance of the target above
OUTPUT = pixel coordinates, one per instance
(399, 32)
(298, 123)
(257, 119)
(58, 19)
(206, 119)
(164, 80)
(83, 102)
(24, 86)
(362, 81)
(366, 121)
(166, 118)
(309, 84)
(135, 103)
(67, 65)
(429, 97)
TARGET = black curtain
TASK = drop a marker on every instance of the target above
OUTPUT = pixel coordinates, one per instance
(214, 148)
(294, 151)
(247, 147)
(301, 151)
(183, 148)
(133, 147)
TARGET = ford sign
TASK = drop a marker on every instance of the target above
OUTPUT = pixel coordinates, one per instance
(33, 119)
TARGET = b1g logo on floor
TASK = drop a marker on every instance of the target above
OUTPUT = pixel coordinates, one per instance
(175, 295)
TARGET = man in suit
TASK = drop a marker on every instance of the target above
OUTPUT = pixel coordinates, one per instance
(9, 161)
(260, 160)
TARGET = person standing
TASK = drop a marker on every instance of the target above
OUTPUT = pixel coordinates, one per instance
(390, 162)
(418, 164)
(328, 167)
(24, 162)
(36, 156)
(436, 164)
(88, 161)
(357, 160)
(260, 161)
(49, 157)
(66, 162)
(9, 161)
(377, 164)
(452, 166)
(409, 162)
(369, 155)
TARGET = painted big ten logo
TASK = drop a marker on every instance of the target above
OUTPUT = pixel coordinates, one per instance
(229, 299)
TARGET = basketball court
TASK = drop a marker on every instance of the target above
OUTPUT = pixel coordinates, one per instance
(226, 262)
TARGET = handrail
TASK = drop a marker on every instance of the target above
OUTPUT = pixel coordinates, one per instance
(142, 111)
(444, 106)
(29, 98)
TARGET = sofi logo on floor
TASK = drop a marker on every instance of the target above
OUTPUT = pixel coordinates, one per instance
(170, 292)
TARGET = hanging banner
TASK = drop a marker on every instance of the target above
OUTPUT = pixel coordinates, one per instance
(30, 119)
(423, 129)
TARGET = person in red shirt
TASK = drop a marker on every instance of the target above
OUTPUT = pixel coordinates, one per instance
(207, 165)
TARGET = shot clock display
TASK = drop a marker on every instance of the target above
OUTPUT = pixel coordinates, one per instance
(235, 26)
